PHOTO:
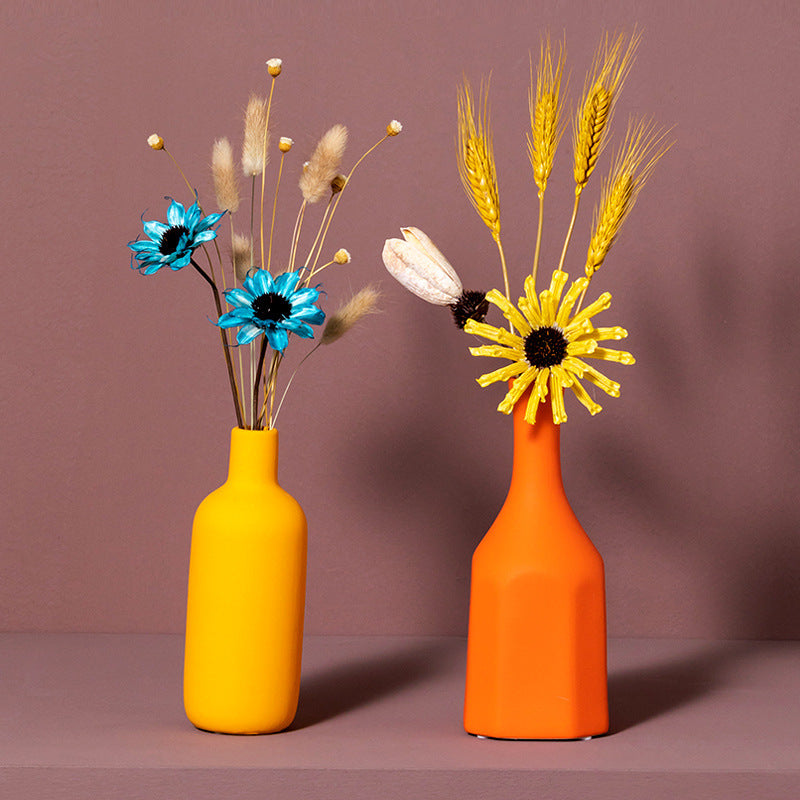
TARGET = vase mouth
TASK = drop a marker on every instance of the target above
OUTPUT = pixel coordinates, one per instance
(250, 432)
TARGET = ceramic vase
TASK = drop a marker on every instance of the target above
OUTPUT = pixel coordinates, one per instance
(536, 661)
(246, 597)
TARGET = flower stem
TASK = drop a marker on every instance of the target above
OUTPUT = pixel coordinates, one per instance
(225, 345)
(261, 355)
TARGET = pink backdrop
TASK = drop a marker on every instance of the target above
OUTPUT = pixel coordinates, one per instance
(115, 415)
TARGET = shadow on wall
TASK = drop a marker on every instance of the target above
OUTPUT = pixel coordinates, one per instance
(711, 455)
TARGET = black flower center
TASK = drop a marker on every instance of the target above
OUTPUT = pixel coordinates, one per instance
(171, 238)
(471, 305)
(545, 347)
(272, 307)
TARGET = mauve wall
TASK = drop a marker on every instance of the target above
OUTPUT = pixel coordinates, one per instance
(115, 412)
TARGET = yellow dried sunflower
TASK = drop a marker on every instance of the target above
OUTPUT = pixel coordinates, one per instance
(548, 349)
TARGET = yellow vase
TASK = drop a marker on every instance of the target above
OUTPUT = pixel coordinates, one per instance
(246, 597)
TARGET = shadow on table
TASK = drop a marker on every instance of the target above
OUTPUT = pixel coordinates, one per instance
(638, 695)
(345, 687)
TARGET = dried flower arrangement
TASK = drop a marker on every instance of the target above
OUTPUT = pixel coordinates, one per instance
(262, 304)
(548, 336)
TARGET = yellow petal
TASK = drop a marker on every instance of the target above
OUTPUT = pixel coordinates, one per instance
(540, 387)
(503, 374)
(496, 351)
(499, 335)
(509, 311)
(557, 399)
(620, 356)
(598, 379)
(574, 365)
(517, 390)
(601, 304)
(577, 330)
(548, 308)
(533, 405)
(601, 334)
(584, 397)
(557, 283)
(564, 376)
(570, 298)
(533, 300)
(582, 348)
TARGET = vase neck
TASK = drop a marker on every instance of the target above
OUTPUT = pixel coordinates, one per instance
(254, 455)
(537, 452)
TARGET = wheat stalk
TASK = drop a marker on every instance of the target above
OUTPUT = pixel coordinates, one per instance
(643, 146)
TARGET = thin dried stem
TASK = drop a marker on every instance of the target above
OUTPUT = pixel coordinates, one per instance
(264, 169)
(339, 198)
(298, 224)
(225, 345)
(274, 212)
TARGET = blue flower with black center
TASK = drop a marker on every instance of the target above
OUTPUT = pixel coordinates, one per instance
(172, 245)
(274, 307)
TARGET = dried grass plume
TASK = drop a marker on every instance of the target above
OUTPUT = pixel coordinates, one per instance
(343, 319)
(226, 184)
(323, 166)
(242, 249)
(255, 148)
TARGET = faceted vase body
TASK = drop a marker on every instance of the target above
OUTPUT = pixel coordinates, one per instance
(246, 597)
(536, 658)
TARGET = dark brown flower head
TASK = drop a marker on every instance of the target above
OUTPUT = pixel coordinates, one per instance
(471, 305)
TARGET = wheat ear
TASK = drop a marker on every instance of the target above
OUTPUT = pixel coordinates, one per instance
(610, 67)
(643, 146)
(545, 105)
(476, 165)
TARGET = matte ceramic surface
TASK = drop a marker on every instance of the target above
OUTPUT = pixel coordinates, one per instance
(536, 660)
(244, 622)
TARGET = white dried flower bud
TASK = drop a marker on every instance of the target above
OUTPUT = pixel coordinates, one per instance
(285, 144)
(342, 256)
(419, 265)
(394, 127)
(274, 67)
(155, 141)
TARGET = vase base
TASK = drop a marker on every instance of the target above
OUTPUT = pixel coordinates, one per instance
(518, 739)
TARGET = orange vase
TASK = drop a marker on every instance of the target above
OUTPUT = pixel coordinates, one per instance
(536, 657)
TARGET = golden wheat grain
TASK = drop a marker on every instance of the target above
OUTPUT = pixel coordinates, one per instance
(476, 165)
(545, 104)
(643, 146)
(610, 67)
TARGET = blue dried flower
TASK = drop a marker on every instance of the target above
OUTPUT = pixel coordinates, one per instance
(172, 245)
(273, 307)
